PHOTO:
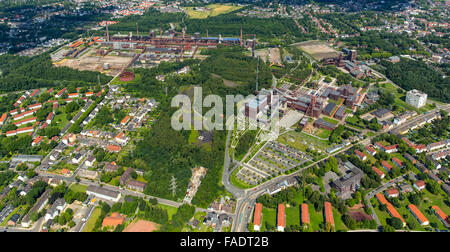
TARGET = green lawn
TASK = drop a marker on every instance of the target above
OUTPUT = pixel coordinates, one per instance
(78, 188)
(353, 121)
(292, 216)
(315, 218)
(61, 120)
(270, 216)
(91, 222)
(323, 133)
(327, 119)
(170, 210)
(299, 137)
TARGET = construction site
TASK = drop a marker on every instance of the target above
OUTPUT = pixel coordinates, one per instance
(112, 54)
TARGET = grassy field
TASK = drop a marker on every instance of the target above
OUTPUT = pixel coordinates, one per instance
(327, 119)
(78, 188)
(323, 133)
(91, 222)
(270, 216)
(193, 136)
(61, 120)
(170, 210)
(299, 137)
(292, 216)
(355, 122)
(117, 81)
(215, 10)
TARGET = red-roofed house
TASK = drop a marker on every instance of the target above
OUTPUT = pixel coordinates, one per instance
(371, 150)
(281, 218)
(328, 214)
(257, 217)
(11, 133)
(89, 94)
(25, 130)
(73, 95)
(360, 155)
(393, 213)
(113, 148)
(35, 92)
(391, 148)
(419, 185)
(59, 94)
(3, 118)
(49, 118)
(25, 121)
(125, 120)
(397, 162)
(418, 215)
(441, 216)
(392, 193)
(381, 199)
(35, 106)
(44, 125)
(37, 141)
(386, 166)
(304, 215)
(378, 171)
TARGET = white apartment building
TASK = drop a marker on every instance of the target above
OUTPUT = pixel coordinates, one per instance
(416, 98)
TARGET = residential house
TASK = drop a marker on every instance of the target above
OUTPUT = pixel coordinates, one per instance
(418, 215)
(257, 217)
(392, 193)
(328, 214)
(136, 185)
(378, 172)
(419, 185)
(441, 216)
(281, 218)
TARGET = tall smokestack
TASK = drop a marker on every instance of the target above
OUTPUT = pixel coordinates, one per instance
(107, 31)
(137, 30)
(241, 37)
(207, 33)
(160, 32)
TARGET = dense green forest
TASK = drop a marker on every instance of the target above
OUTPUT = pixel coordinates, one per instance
(151, 19)
(382, 44)
(412, 74)
(22, 73)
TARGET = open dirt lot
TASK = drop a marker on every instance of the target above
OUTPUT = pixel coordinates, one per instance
(142, 226)
(318, 50)
(92, 62)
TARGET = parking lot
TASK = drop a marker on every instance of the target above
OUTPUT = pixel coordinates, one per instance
(274, 159)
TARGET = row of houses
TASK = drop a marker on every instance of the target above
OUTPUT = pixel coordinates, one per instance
(281, 216)
(430, 147)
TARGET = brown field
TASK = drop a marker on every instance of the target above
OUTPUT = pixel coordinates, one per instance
(142, 226)
(318, 50)
(92, 62)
